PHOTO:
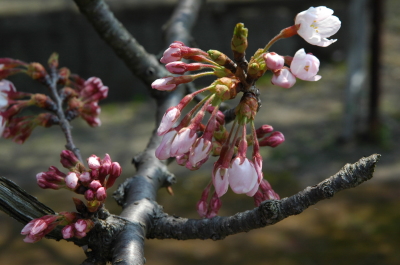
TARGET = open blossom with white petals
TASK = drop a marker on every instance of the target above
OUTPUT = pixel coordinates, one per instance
(305, 66)
(168, 120)
(317, 24)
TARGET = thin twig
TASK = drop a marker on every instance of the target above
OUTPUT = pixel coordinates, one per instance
(51, 81)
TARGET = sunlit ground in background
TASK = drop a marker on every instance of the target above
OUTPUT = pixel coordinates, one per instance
(358, 226)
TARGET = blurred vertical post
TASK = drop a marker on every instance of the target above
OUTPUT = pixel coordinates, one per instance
(374, 123)
(357, 68)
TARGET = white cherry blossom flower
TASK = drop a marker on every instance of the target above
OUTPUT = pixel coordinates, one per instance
(317, 24)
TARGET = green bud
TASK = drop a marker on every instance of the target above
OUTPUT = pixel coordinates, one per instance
(217, 57)
(239, 40)
(53, 60)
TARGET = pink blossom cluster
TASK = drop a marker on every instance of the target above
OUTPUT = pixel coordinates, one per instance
(192, 142)
(303, 66)
(92, 182)
(85, 100)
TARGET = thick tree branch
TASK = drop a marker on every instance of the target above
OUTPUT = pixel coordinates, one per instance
(137, 195)
(268, 213)
(137, 59)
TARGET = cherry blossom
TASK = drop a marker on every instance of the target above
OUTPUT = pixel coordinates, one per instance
(317, 24)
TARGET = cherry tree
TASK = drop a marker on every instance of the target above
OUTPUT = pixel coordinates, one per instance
(229, 135)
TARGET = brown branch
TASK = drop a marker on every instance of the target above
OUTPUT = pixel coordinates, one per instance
(268, 213)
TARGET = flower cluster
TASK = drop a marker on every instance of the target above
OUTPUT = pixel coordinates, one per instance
(92, 182)
(81, 96)
(191, 141)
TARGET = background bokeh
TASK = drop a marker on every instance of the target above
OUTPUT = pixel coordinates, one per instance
(358, 226)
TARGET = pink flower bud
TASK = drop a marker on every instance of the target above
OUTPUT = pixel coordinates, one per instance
(202, 207)
(85, 177)
(38, 228)
(68, 159)
(89, 195)
(80, 225)
(263, 130)
(215, 205)
(173, 53)
(168, 120)
(163, 84)
(275, 139)
(115, 172)
(181, 67)
(93, 162)
(283, 78)
(94, 90)
(182, 142)
(163, 150)
(305, 66)
(105, 165)
(220, 179)
(71, 180)
(101, 194)
(68, 231)
(94, 185)
(242, 176)
(199, 152)
(274, 61)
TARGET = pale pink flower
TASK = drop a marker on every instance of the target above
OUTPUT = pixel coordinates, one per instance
(162, 84)
(168, 120)
(202, 207)
(199, 151)
(81, 225)
(182, 142)
(242, 175)
(317, 24)
(283, 78)
(71, 180)
(305, 66)
(163, 150)
(273, 60)
(220, 179)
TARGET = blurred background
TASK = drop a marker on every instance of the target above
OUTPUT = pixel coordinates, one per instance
(326, 124)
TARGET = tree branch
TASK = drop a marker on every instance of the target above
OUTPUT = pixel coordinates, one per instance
(268, 213)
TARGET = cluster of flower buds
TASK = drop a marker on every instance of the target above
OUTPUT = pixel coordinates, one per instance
(92, 182)
(191, 142)
(84, 99)
(80, 96)
(12, 102)
(39, 227)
